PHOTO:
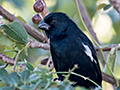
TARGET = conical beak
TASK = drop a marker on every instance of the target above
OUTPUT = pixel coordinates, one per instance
(44, 26)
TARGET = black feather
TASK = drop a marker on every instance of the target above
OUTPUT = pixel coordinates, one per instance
(67, 43)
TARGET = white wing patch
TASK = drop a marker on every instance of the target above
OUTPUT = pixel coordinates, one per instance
(88, 52)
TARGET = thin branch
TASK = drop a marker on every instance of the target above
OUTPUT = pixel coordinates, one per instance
(109, 79)
(31, 30)
(85, 17)
(87, 20)
(36, 44)
(116, 4)
(105, 77)
(6, 59)
(18, 55)
(107, 47)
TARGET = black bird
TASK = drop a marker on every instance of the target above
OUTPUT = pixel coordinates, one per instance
(70, 46)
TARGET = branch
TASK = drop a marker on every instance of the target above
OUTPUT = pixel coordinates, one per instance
(16, 57)
(36, 44)
(31, 30)
(6, 59)
(109, 79)
(87, 22)
(105, 77)
(116, 4)
(107, 47)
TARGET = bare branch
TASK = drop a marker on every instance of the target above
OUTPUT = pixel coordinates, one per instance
(19, 54)
(109, 79)
(116, 4)
(87, 22)
(6, 59)
(36, 44)
(107, 47)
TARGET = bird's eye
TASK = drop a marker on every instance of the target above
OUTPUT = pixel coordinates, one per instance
(54, 21)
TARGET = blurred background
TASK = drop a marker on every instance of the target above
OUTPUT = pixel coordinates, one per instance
(106, 24)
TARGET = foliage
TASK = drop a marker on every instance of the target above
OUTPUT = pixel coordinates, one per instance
(13, 37)
(29, 78)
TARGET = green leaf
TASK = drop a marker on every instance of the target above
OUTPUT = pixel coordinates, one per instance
(25, 76)
(24, 87)
(80, 88)
(118, 88)
(5, 41)
(19, 17)
(107, 7)
(41, 83)
(29, 66)
(45, 73)
(34, 77)
(7, 88)
(20, 46)
(100, 6)
(111, 61)
(16, 32)
(32, 86)
(3, 75)
(13, 79)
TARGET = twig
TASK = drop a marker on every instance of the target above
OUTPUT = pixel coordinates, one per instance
(18, 55)
(31, 30)
(116, 4)
(107, 47)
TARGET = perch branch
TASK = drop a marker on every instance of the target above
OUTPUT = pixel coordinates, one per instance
(36, 44)
(105, 77)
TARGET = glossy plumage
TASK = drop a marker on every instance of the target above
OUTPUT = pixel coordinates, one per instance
(70, 46)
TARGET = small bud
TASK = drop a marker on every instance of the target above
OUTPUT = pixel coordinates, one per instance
(38, 6)
(36, 19)
(76, 65)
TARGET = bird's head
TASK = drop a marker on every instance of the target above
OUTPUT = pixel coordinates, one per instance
(55, 24)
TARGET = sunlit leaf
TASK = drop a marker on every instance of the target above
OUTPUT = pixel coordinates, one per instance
(19, 17)
(100, 6)
(111, 61)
